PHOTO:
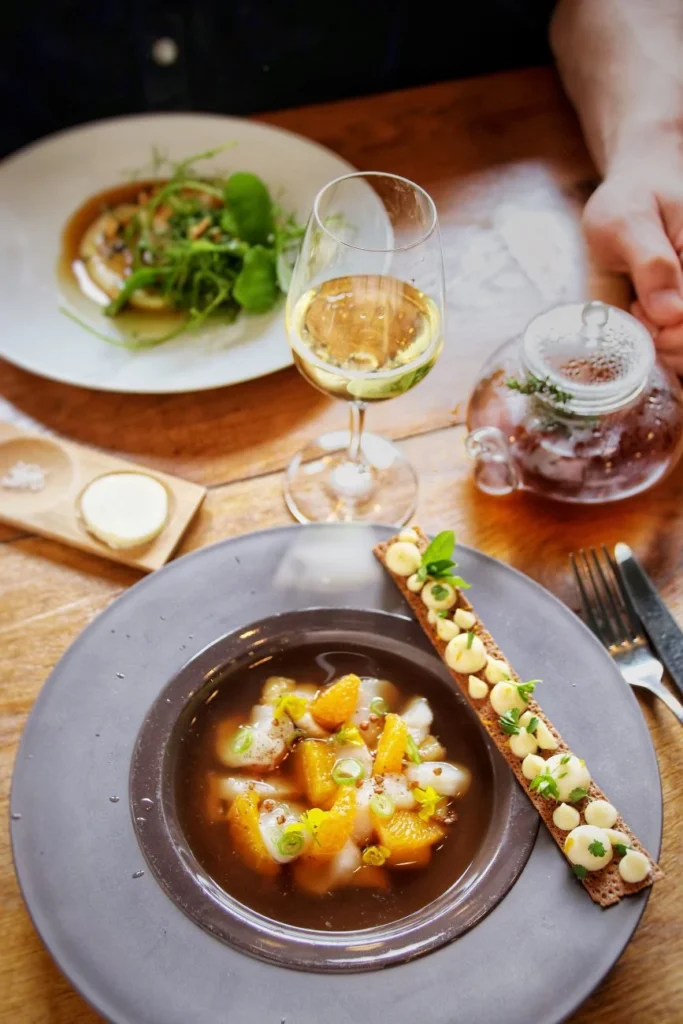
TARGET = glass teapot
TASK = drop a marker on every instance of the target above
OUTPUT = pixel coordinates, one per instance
(577, 409)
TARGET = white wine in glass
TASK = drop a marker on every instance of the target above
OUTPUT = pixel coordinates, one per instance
(365, 323)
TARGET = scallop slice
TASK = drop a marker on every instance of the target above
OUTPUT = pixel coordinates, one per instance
(124, 510)
(372, 689)
(324, 877)
(396, 786)
(109, 269)
(222, 790)
(450, 780)
(418, 716)
(362, 826)
(272, 820)
(268, 741)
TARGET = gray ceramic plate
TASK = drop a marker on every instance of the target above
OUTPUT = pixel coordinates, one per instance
(139, 960)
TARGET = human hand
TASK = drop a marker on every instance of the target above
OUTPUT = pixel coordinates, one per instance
(634, 223)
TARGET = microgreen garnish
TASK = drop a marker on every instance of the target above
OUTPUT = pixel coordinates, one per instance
(534, 385)
(350, 733)
(579, 870)
(378, 706)
(382, 805)
(375, 856)
(470, 639)
(292, 840)
(412, 753)
(206, 246)
(526, 689)
(443, 614)
(439, 592)
(428, 799)
(545, 785)
(532, 724)
(596, 848)
(242, 740)
(347, 771)
(565, 759)
(509, 722)
(437, 562)
(621, 848)
(577, 794)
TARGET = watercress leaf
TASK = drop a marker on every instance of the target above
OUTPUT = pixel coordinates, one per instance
(596, 848)
(457, 581)
(577, 794)
(439, 567)
(579, 870)
(249, 201)
(256, 287)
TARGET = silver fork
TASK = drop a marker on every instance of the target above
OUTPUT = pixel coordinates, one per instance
(609, 613)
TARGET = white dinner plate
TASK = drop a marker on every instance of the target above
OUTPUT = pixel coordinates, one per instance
(42, 185)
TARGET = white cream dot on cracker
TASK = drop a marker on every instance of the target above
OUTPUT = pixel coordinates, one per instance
(477, 688)
(634, 867)
(465, 653)
(601, 813)
(414, 584)
(589, 847)
(506, 697)
(532, 765)
(403, 558)
(566, 817)
(438, 596)
(496, 670)
(570, 774)
(409, 536)
(464, 618)
(523, 743)
(446, 629)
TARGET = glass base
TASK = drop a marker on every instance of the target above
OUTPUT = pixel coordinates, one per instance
(321, 485)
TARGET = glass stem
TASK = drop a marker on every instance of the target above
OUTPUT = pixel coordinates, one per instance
(356, 424)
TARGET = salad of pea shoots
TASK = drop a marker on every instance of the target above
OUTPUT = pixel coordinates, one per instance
(206, 247)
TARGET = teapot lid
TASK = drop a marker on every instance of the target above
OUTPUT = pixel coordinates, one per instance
(595, 357)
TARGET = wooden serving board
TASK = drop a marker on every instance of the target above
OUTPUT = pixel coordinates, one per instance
(69, 468)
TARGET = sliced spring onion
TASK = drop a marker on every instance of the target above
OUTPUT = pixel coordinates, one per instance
(375, 855)
(412, 753)
(291, 842)
(242, 740)
(347, 771)
(382, 805)
(378, 706)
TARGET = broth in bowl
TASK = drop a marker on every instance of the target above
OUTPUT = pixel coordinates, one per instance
(332, 789)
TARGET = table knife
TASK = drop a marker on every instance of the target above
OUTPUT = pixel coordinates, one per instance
(662, 629)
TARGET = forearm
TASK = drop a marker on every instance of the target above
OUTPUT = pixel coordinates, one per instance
(621, 62)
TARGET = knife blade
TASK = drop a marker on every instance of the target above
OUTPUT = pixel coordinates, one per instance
(664, 632)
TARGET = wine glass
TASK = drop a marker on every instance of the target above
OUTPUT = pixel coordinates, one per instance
(365, 324)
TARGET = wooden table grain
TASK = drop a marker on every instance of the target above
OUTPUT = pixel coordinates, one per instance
(504, 159)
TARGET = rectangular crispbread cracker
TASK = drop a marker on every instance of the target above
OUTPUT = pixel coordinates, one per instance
(605, 886)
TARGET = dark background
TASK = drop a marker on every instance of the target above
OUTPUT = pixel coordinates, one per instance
(63, 62)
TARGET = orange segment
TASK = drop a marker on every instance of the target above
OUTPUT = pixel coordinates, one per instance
(391, 746)
(407, 836)
(418, 859)
(370, 877)
(336, 828)
(334, 705)
(243, 819)
(314, 762)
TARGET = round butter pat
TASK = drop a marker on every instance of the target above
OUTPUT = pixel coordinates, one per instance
(601, 813)
(124, 510)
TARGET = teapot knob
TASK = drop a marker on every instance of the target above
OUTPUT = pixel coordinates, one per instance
(494, 472)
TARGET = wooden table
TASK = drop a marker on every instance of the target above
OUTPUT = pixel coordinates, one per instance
(504, 159)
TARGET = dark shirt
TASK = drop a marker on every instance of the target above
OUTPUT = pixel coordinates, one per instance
(64, 62)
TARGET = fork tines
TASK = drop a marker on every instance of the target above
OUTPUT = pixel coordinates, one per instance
(607, 607)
